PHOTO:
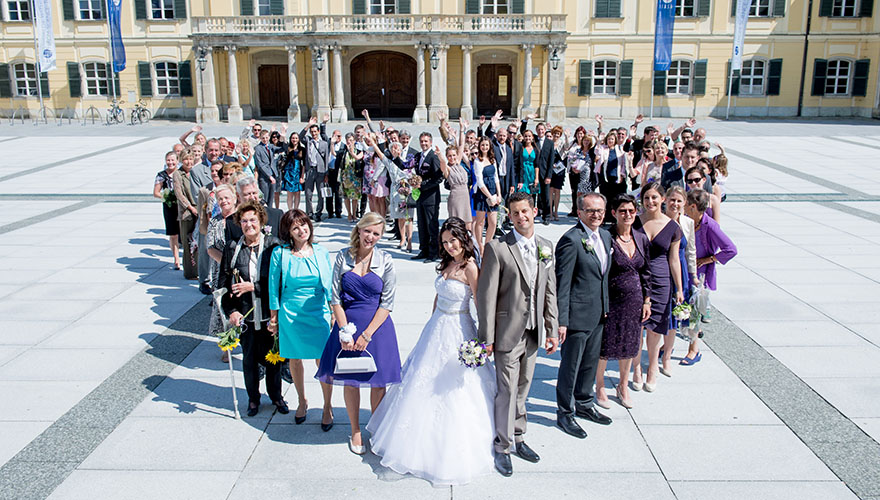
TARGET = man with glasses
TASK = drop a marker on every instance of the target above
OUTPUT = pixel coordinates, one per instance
(251, 133)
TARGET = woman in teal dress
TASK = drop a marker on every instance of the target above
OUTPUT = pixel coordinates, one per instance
(300, 279)
(528, 172)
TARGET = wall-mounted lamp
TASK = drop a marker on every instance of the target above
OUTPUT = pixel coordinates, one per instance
(319, 59)
(435, 59)
(554, 59)
(202, 60)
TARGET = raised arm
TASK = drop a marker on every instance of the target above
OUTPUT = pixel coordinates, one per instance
(677, 132)
(183, 138)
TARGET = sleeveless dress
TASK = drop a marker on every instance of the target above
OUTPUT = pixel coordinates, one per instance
(438, 424)
(528, 171)
(290, 177)
(660, 284)
(486, 172)
(622, 335)
(360, 301)
(458, 203)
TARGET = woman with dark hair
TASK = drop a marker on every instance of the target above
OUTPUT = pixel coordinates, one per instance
(292, 175)
(244, 271)
(580, 166)
(454, 444)
(628, 299)
(163, 188)
(299, 304)
(351, 164)
(696, 179)
(528, 171)
(487, 198)
(558, 168)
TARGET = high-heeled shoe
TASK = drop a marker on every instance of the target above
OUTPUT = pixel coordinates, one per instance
(297, 419)
(637, 387)
(327, 427)
(623, 402)
(650, 387)
(666, 372)
(356, 449)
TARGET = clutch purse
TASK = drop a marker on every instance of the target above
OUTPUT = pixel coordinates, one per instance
(360, 364)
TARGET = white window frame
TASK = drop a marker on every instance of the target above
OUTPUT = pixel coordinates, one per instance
(752, 76)
(14, 78)
(382, 7)
(176, 79)
(164, 6)
(495, 7)
(94, 9)
(677, 88)
(7, 13)
(100, 66)
(259, 4)
(606, 65)
(682, 5)
(837, 77)
(758, 5)
(839, 8)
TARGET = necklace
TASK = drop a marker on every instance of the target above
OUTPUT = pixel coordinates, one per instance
(619, 237)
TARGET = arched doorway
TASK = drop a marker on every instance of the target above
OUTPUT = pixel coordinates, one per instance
(384, 83)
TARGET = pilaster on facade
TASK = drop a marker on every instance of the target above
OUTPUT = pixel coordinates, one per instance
(321, 79)
(234, 114)
(526, 107)
(438, 104)
(208, 111)
(467, 110)
(339, 113)
(293, 113)
(556, 83)
(420, 115)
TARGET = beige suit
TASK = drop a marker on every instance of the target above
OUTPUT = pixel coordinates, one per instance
(502, 306)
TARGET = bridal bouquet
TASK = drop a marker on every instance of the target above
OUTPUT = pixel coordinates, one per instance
(168, 197)
(473, 353)
(682, 312)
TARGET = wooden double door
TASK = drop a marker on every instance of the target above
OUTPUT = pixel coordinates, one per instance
(494, 87)
(274, 92)
(384, 83)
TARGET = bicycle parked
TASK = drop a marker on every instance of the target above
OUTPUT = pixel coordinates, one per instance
(140, 113)
(115, 114)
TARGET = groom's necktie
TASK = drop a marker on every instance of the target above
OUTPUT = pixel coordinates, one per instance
(599, 249)
(530, 258)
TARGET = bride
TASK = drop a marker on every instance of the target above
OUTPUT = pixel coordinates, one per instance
(438, 423)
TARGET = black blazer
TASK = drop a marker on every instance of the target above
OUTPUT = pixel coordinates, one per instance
(544, 159)
(233, 230)
(672, 175)
(243, 304)
(581, 286)
(430, 172)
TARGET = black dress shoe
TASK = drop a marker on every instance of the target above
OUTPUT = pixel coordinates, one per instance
(592, 415)
(318, 217)
(569, 426)
(205, 289)
(327, 427)
(253, 410)
(419, 256)
(526, 453)
(546, 221)
(503, 465)
(282, 407)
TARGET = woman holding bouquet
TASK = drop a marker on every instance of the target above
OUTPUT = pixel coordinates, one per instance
(299, 304)
(453, 444)
(676, 199)
(163, 188)
(395, 169)
(363, 285)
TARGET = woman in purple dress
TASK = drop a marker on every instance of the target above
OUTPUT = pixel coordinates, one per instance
(363, 296)
(664, 236)
(629, 303)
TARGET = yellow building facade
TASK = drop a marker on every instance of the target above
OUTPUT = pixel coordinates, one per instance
(214, 60)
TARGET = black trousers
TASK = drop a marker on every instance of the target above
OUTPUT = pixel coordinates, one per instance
(314, 183)
(428, 215)
(610, 190)
(575, 385)
(267, 189)
(544, 199)
(334, 205)
(574, 179)
(255, 344)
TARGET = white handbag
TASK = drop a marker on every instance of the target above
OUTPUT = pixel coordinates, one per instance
(360, 364)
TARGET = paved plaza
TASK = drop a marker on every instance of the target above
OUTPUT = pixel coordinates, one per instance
(111, 389)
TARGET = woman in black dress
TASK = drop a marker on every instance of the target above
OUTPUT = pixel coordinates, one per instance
(163, 189)
(629, 303)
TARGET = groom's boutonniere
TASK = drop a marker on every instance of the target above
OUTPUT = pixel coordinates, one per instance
(544, 254)
(588, 245)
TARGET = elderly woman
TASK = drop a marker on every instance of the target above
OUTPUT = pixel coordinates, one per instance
(364, 282)
(561, 145)
(350, 163)
(187, 211)
(215, 240)
(299, 304)
(395, 170)
(163, 188)
(244, 272)
(713, 246)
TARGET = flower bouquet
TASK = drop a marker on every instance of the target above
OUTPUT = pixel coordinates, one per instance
(272, 356)
(682, 312)
(168, 197)
(473, 353)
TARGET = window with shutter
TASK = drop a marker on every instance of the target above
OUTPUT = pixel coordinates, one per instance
(140, 9)
(825, 7)
(517, 6)
(774, 77)
(162, 9)
(25, 79)
(89, 10)
(359, 7)
(247, 7)
(470, 6)
(752, 78)
(701, 67)
(403, 7)
(731, 85)
(97, 76)
(704, 7)
(866, 8)
(276, 7)
(605, 78)
(659, 83)
(687, 8)
(180, 9)
(837, 77)
(820, 67)
(67, 10)
(184, 73)
(585, 78)
(607, 8)
(678, 78)
(779, 8)
(860, 78)
(5, 81)
(167, 81)
(145, 78)
(74, 83)
(626, 77)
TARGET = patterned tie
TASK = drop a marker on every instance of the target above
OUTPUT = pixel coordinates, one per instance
(599, 249)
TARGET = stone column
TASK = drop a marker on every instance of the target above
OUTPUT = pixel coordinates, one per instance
(420, 115)
(293, 85)
(438, 84)
(556, 85)
(235, 114)
(322, 83)
(208, 112)
(526, 107)
(467, 111)
(340, 112)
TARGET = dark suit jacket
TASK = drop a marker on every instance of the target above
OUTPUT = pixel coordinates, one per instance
(672, 175)
(244, 303)
(233, 230)
(581, 286)
(430, 172)
(263, 159)
(322, 166)
(510, 178)
(544, 159)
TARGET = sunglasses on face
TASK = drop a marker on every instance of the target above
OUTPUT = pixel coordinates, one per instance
(694, 180)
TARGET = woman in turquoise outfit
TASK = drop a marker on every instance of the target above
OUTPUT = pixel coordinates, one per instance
(528, 171)
(299, 303)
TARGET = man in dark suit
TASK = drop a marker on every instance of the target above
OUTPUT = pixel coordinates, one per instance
(267, 171)
(428, 205)
(544, 162)
(583, 258)
(315, 166)
(337, 145)
(247, 191)
(674, 170)
(505, 159)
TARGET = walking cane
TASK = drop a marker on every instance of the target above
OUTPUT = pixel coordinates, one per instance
(218, 295)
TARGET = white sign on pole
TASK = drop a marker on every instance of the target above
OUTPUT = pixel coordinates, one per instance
(739, 32)
(45, 36)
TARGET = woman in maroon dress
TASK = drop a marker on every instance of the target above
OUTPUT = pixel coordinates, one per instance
(629, 304)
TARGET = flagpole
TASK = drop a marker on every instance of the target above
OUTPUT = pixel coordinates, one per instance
(652, 89)
(112, 58)
(37, 61)
(729, 89)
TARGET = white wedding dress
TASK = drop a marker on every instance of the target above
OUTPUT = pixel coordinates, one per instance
(438, 423)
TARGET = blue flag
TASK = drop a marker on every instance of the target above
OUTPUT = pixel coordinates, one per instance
(663, 34)
(114, 14)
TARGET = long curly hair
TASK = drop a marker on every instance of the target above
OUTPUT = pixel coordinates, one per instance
(458, 229)
(369, 219)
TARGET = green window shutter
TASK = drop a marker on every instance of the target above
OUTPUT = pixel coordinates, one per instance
(247, 7)
(731, 88)
(860, 78)
(145, 78)
(179, 9)
(112, 77)
(403, 7)
(5, 81)
(866, 9)
(276, 7)
(779, 8)
(585, 77)
(701, 68)
(470, 6)
(614, 8)
(704, 7)
(140, 9)
(659, 82)
(774, 78)
(519, 7)
(820, 70)
(359, 7)
(626, 77)
(184, 74)
(825, 7)
(74, 81)
(603, 8)
(104, 9)
(44, 85)
(67, 10)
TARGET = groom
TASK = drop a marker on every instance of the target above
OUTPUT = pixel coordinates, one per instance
(516, 304)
